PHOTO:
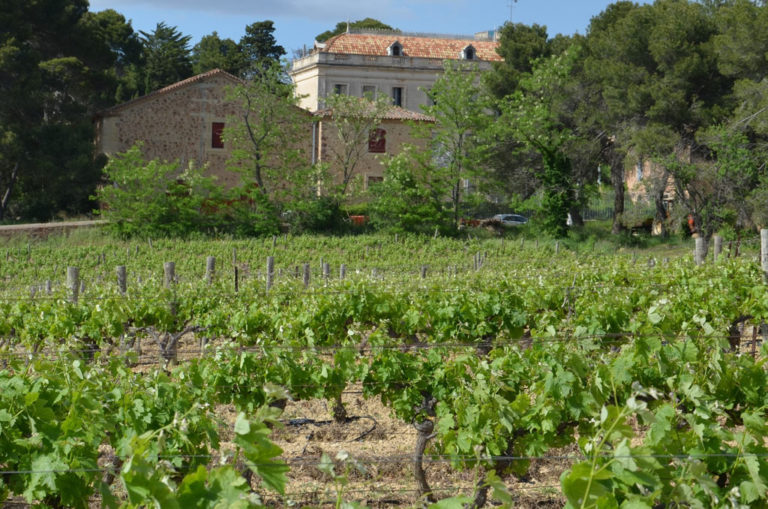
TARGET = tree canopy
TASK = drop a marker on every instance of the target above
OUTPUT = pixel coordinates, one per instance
(342, 26)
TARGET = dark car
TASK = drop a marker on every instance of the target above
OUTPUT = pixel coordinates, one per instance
(510, 219)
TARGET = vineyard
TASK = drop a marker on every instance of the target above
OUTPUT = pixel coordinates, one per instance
(380, 371)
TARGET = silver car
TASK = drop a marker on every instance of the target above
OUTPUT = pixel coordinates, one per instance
(510, 219)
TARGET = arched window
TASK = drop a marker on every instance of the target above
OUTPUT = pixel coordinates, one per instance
(468, 53)
(395, 49)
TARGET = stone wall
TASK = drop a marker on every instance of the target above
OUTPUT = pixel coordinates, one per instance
(174, 124)
(398, 133)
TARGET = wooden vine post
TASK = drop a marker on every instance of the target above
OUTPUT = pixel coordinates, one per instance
(718, 241)
(700, 251)
(210, 269)
(122, 283)
(73, 283)
(270, 272)
(764, 253)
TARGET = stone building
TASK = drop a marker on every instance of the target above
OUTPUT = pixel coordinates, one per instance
(183, 122)
(394, 131)
(399, 65)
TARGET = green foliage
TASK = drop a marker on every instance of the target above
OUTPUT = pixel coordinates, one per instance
(212, 52)
(154, 198)
(531, 116)
(341, 27)
(407, 200)
(352, 119)
(520, 46)
(259, 48)
(454, 140)
(166, 57)
(267, 137)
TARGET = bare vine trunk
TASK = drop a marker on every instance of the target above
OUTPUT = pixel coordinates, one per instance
(425, 429)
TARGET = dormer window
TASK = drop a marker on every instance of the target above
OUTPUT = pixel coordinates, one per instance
(468, 53)
(395, 49)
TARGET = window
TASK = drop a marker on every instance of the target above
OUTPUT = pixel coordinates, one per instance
(377, 141)
(372, 181)
(397, 96)
(217, 129)
(369, 91)
(468, 53)
(340, 88)
(395, 49)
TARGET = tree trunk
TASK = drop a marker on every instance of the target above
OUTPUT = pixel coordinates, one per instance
(576, 219)
(661, 212)
(8, 191)
(617, 179)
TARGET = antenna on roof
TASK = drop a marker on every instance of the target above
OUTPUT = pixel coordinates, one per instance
(347, 26)
(511, 3)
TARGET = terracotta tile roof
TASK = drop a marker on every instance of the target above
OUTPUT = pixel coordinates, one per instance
(170, 88)
(422, 47)
(394, 113)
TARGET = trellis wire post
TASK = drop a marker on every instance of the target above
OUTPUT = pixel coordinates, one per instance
(764, 253)
(73, 283)
(121, 279)
(210, 269)
(718, 240)
(700, 250)
(306, 275)
(270, 272)
(169, 274)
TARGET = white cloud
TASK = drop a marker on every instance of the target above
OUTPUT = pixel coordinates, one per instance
(327, 10)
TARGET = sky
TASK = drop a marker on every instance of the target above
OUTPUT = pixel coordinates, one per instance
(297, 22)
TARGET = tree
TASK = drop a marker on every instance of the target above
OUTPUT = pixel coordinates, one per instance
(54, 71)
(166, 57)
(459, 109)
(409, 199)
(520, 46)
(530, 115)
(267, 137)
(341, 27)
(123, 53)
(259, 48)
(212, 52)
(354, 120)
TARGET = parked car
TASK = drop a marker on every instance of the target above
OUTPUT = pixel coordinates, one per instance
(510, 219)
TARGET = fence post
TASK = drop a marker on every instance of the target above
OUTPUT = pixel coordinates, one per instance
(210, 269)
(718, 248)
(764, 253)
(700, 252)
(169, 274)
(423, 272)
(342, 271)
(326, 270)
(73, 283)
(121, 279)
(270, 271)
(306, 275)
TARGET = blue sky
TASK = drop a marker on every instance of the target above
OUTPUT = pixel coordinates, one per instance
(297, 22)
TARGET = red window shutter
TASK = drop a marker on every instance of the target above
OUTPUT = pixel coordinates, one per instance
(377, 141)
(217, 128)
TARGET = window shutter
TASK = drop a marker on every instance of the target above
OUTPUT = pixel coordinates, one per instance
(217, 128)
(377, 141)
